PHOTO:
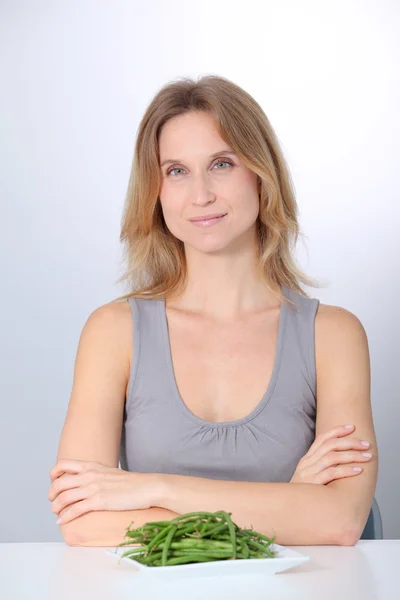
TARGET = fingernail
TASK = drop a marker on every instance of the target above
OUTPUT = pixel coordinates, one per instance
(365, 444)
(348, 426)
(367, 454)
(357, 469)
(59, 520)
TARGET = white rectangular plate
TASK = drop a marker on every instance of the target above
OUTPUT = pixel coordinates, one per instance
(284, 559)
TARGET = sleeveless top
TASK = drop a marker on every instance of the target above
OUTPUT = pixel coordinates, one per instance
(161, 435)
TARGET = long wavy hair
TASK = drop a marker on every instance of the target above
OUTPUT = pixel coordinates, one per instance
(155, 263)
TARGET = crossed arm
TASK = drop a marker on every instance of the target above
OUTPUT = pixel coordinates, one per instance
(301, 514)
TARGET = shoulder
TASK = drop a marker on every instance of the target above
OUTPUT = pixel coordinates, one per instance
(335, 319)
(108, 335)
(111, 315)
(337, 329)
(110, 325)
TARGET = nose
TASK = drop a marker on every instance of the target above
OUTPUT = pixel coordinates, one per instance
(200, 192)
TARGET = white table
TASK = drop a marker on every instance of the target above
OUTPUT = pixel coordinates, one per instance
(56, 571)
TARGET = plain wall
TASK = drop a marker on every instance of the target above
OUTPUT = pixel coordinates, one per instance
(76, 78)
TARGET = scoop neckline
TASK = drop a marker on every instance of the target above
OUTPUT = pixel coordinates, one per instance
(267, 394)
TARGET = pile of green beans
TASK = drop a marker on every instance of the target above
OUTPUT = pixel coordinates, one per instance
(195, 537)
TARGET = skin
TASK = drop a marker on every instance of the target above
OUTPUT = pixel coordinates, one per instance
(223, 283)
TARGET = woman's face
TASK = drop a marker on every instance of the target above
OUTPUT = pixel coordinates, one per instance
(201, 175)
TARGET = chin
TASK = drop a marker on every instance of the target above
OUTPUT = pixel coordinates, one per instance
(209, 246)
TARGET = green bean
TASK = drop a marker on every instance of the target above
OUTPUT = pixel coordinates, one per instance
(210, 555)
(260, 535)
(129, 542)
(199, 544)
(216, 529)
(187, 515)
(187, 528)
(149, 560)
(261, 547)
(162, 534)
(205, 526)
(136, 556)
(167, 542)
(180, 560)
(246, 550)
(232, 532)
(195, 537)
(152, 558)
(158, 523)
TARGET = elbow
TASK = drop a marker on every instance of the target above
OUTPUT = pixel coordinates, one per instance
(347, 535)
(82, 531)
(346, 524)
(348, 538)
(72, 537)
(338, 537)
(85, 533)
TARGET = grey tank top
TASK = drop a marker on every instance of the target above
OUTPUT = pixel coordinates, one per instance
(161, 435)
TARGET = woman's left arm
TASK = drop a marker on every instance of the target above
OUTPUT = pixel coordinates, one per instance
(305, 513)
(344, 396)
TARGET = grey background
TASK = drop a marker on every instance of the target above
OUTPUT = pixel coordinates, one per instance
(76, 78)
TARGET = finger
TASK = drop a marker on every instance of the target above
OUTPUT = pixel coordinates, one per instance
(334, 473)
(339, 458)
(332, 433)
(67, 466)
(64, 482)
(338, 445)
(51, 492)
(75, 510)
(69, 497)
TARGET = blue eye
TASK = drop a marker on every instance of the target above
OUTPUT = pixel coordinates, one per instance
(175, 169)
(227, 162)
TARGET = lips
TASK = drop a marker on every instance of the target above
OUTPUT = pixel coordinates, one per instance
(207, 217)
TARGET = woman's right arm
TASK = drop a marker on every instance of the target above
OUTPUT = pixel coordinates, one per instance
(108, 527)
(93, 424)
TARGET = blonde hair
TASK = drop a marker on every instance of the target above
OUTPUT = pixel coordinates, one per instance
(155, 263)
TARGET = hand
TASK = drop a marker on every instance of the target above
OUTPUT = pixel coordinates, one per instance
(328, 456)
(80, 486)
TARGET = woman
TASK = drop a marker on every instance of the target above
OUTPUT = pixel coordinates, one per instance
(169, 377)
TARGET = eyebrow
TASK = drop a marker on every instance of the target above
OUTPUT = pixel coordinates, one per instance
(170, 161)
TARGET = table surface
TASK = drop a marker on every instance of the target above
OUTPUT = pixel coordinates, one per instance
(56, 571)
